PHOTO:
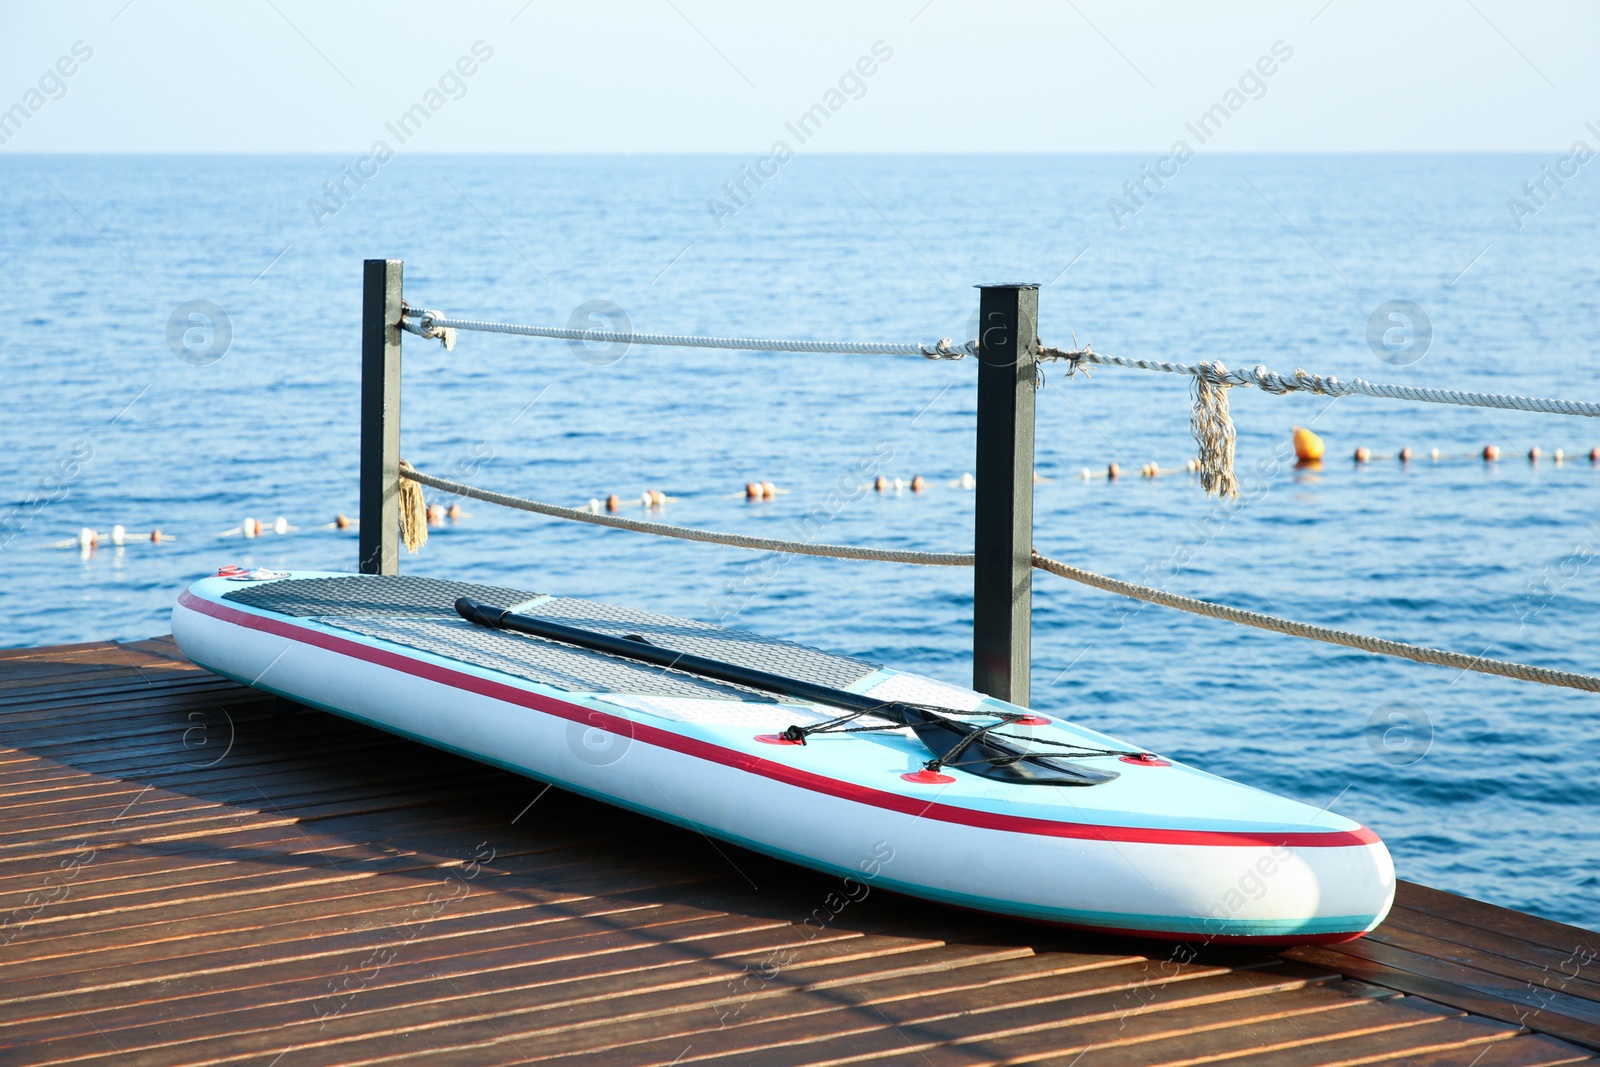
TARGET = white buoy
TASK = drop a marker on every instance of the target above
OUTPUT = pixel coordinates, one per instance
(899, 485)
(968, 481)
(117, 534)
(87, 538)
(281, 526)
(250, 527)
(594, 504)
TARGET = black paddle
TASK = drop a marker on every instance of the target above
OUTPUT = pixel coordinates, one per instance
(954, 744)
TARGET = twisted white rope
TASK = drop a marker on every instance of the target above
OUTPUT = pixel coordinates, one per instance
(687, 533)
(1329, 385)
(1383, 646)
(944, 348)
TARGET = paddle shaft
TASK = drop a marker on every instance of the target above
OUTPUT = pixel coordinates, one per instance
(484, 615)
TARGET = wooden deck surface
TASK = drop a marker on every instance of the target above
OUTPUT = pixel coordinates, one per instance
(191, 875)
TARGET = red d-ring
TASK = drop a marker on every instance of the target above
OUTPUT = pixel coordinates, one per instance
(1031, 720)
(927, 777)
(776, 739)
(1146, 759)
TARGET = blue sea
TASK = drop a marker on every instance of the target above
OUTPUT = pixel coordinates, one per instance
(121, 409)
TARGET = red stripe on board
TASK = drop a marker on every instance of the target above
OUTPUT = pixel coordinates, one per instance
(816, 783)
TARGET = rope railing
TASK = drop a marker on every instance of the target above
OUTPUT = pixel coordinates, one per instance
(436, 324)
(1210, 421)
(1267, 381)
(1148, 594)
(689, 533)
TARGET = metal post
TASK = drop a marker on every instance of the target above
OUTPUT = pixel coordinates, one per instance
(1002, 595)
(380, 417)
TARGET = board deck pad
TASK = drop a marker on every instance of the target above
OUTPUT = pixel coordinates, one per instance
(369, 596)
(420, 613)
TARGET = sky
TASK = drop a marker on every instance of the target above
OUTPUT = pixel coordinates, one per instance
(695, 76)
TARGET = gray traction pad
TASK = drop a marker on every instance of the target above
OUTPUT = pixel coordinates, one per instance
(420, 613)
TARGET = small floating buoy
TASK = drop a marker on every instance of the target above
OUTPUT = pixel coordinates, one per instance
(1405, 454)
(1308, 447)
(1193, 466)
(1363, 454)
(769, 490)
(281, 526)
(1434, 455)
(917, 483)
(341, 521)
(156, 537)
(594, 504)
(454, 512)
(657, 498)
(881, 482)
(118, 534)
(1559, 456)
(613, 503)
(250, 528)
(1152, 470)
(1594, 455)
(899, 485)
(1533, 454)
(968, 481)
(1112, 471)
(1491, 453)
(1086, 474)
(87, 538)
(435, 514)
(644, 498)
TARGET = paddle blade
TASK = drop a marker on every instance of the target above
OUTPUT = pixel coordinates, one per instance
(1004, 761)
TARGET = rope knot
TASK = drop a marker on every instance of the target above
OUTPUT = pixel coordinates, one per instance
(1213, 430)
(424, 326)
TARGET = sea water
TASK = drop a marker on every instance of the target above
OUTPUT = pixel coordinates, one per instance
(181, 350)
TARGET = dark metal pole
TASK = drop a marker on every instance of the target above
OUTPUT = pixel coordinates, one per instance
(380, 417)
(1002, 595)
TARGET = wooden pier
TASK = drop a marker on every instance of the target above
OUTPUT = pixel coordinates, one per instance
(193, 874)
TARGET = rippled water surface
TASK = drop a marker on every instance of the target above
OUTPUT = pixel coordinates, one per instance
(1480, 785)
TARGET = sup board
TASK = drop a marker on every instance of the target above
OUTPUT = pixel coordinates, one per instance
(825, 770)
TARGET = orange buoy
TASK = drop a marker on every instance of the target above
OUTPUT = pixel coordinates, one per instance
(1491, 453)
(156, 536)
(1112, 471)
(917, 483)
(453, 511)
(881, 482)
(1594, 455)
(1533, 454)
(1308, 447)
(1405, 454)
(342, 521)
(769, 490)
(753, 491)
(1363, 453)
(613, 503)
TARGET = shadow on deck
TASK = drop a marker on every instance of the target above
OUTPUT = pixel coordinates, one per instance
(193, 875)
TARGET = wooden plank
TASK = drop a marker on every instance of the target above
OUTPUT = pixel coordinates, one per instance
(1526, 1050)
(1497, 1000)
(1550, 974)
(1469, 912)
